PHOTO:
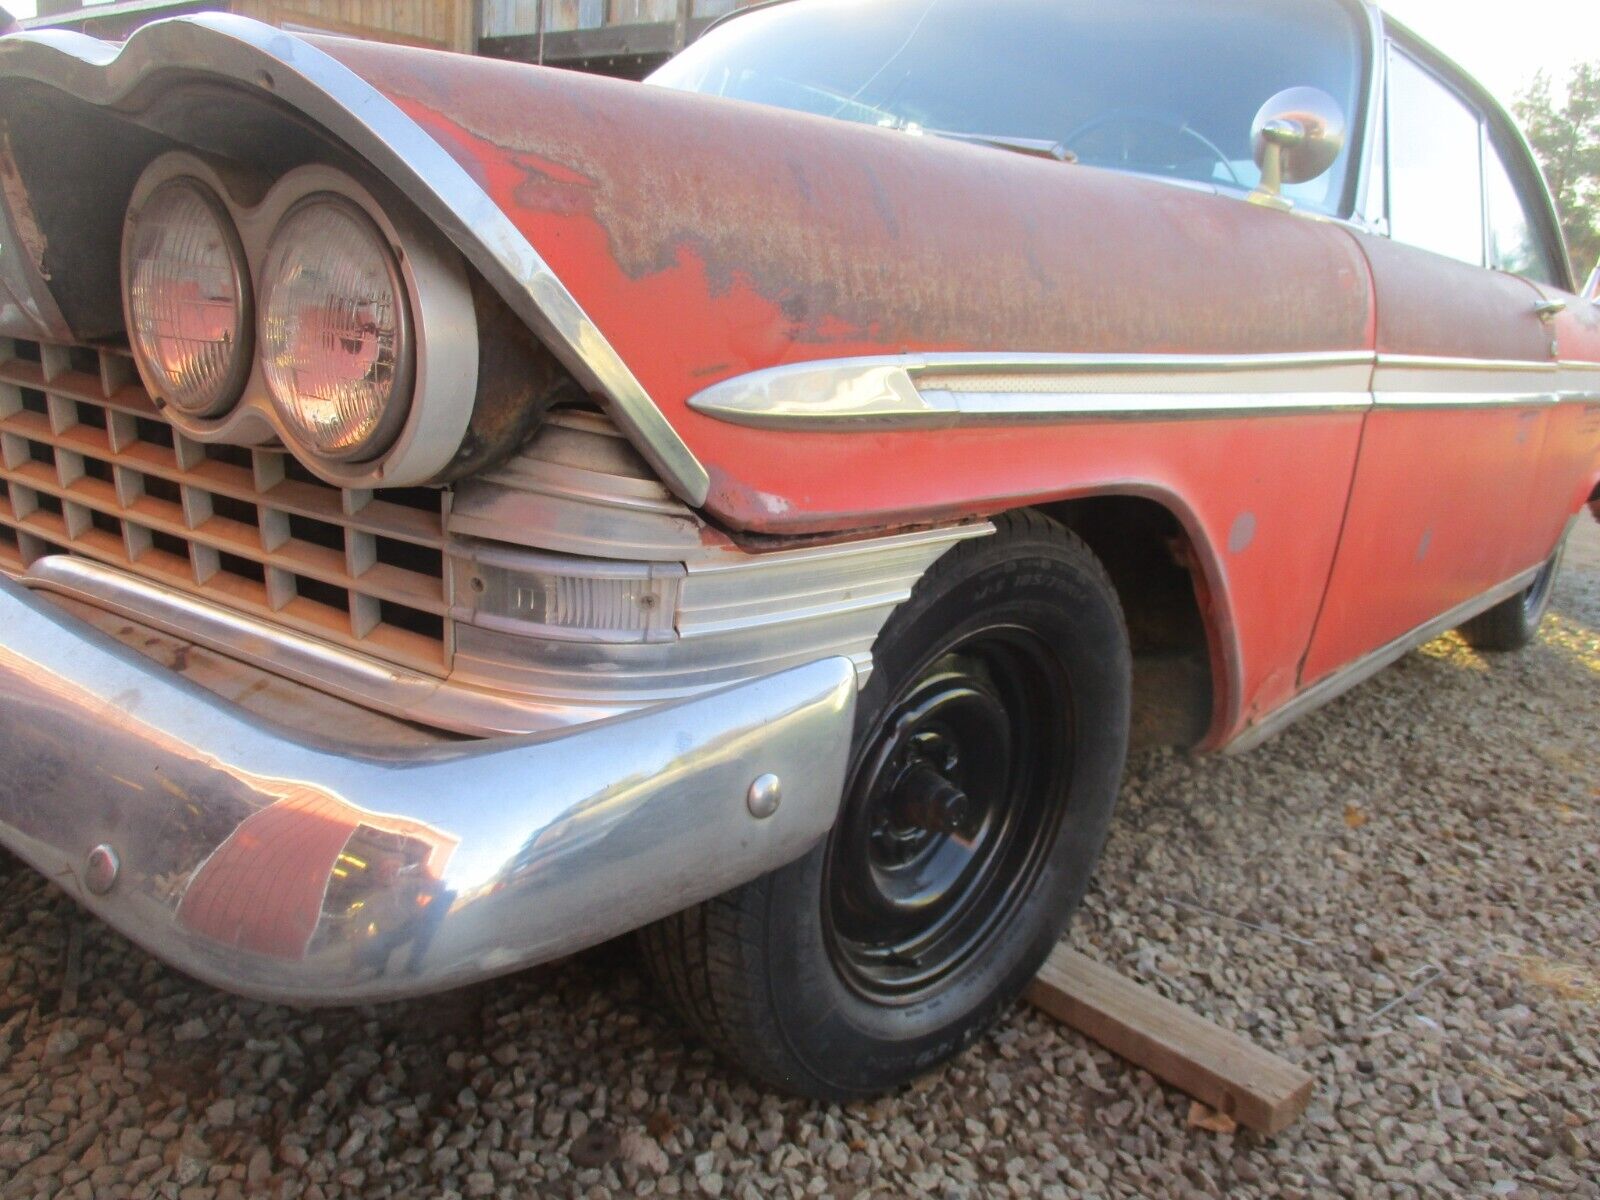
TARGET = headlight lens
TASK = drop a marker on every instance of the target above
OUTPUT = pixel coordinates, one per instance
(188, 297)
(335, 330)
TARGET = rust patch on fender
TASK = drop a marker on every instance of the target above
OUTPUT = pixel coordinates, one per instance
(859, 234)
(20, 207)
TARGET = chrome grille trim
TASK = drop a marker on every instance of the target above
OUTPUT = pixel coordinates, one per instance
(89, 468)
(578, 490)
(414, 696)
(740, 616)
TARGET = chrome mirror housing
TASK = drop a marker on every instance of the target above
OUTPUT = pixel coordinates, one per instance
(1297, 136)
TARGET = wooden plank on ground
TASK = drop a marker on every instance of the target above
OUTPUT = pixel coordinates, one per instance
(1253, 1086)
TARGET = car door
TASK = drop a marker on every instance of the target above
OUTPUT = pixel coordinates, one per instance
(1463, 388)
(1521, 241)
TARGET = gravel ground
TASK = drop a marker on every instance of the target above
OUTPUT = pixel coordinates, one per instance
(1400, 893)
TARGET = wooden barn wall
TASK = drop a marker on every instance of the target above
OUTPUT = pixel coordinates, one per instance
(444, 24)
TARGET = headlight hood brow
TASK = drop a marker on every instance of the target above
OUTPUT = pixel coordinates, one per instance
(327, 92)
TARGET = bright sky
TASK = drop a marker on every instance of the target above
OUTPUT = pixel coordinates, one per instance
(1501, 42)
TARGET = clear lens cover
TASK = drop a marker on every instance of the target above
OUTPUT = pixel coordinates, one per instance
(187, 296)
(562, 598)
(335, 342)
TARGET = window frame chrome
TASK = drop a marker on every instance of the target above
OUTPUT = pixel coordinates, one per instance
(1496, 130)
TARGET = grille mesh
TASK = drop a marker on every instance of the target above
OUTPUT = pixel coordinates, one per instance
(89, 467)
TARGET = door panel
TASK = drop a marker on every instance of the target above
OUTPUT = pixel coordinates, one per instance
(1569, 467)
(1451, 452)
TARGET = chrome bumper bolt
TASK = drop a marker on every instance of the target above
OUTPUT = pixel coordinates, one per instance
(764, 795)
(100, 873)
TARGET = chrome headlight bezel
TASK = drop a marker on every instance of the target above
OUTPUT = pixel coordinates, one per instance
(230, 386)
(440, 318)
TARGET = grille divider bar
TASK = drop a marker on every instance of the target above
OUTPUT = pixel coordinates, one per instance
(281, 588)
(54, 361)
(116, 372)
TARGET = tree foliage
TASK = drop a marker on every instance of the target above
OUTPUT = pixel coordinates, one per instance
(1566, 138)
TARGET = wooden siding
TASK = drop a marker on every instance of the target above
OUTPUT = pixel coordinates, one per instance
(442, 24)
(514, 18)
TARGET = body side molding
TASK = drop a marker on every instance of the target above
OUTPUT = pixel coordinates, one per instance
(939, 390)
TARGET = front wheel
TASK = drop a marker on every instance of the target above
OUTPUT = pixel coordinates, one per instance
(989, 745)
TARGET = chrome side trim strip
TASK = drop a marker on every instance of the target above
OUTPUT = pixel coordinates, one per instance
(946, 389)
(329, 93)
(943, 390)
(1452, 399)
(1423, 362)
(1364, 668)
(1412, 381)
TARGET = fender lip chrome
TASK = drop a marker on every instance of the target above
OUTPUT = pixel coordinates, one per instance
(273, 865)
(316, 84)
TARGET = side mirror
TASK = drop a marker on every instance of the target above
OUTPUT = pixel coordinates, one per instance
(1297, 136)
(1591, 290)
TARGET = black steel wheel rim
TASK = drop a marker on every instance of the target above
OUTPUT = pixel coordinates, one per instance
(949, 815)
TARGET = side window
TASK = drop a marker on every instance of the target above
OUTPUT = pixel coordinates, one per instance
(1435, 165)
(1514, 242)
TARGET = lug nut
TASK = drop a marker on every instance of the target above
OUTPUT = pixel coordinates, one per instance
(925, 799)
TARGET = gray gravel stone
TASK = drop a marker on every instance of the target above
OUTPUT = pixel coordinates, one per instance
(1400, 893)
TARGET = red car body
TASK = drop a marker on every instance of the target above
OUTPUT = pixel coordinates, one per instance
(773, 238)
(703, 389)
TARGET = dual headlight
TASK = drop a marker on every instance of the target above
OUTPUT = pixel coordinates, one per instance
(321, 332)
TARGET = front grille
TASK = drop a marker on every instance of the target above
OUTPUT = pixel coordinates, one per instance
(89, 467)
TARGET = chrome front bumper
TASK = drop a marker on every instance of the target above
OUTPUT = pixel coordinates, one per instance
(320, 873)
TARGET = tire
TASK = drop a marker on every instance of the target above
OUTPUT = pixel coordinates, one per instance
(1512, 624)
(989, 746)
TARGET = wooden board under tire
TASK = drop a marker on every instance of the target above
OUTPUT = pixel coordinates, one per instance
(1256, 1088)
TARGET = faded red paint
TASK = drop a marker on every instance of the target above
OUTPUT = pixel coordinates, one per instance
(1442, 506)
(1578, 335)
(708, 238)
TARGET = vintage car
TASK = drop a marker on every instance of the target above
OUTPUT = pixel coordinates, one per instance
(454, 512)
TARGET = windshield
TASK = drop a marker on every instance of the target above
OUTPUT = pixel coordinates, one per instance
(1162, 87)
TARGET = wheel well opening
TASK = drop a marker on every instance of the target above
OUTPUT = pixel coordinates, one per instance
(1148, 555)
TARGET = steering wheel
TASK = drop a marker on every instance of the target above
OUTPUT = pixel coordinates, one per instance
(1145, 116)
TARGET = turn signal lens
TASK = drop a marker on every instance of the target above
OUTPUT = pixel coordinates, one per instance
(335, 330)
(564, 598)
(187, 298)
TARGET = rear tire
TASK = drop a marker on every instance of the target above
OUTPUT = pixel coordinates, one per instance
(989, 746)
(1513, 624)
